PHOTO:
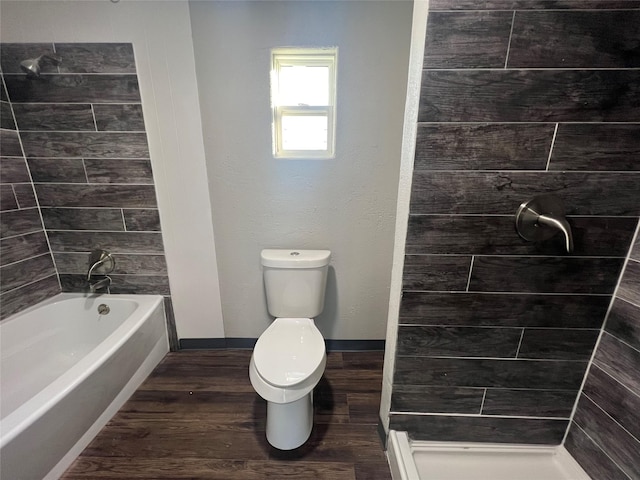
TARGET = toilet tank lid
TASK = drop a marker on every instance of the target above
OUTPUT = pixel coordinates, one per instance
(281, 258)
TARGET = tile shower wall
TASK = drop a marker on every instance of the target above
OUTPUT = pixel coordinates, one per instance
(605, 433)
(496, 333)
(85, 144)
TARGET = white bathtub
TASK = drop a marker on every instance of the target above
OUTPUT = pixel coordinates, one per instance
(66, 370)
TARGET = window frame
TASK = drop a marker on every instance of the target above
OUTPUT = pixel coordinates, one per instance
(321, 57)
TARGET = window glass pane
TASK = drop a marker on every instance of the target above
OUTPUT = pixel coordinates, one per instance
(302, 85)
(304, 132)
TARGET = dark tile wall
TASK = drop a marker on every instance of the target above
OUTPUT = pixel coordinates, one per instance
(85, 145)
(605, 433)
(518, 99)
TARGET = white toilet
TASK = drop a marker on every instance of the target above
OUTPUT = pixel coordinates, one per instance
(289, 357)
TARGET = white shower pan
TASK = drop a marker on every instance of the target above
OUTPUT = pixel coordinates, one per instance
(410, 460)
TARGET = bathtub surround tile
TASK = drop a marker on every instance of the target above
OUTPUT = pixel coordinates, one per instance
(467, 40)
(10, 143)
(57, 170)
(55, 88)
(103, 145)
(432, 272)
(596, 147)
(419, 398)
(506, 309)
(120, 284)
(105, 219)
(545, 275)
(496, 235)
(480, 429)
(28, 295)
(25, 195)
(530, 96)
(630, 283)
(8, 199)
(559, 344)
(501, 193)
(96, 57)
(119, 171)
(488, 146)
(458, 341)
(623, 322)
(19, 222)
(52, 116)
(575, 40)
(620, 361)
(126, 118)
(114, 242)
(35, 268)
(6, 116)
(14, 249)
(457, 372)
(141, 219)
(115, 196)
(77, 263)
(529, 403)
(13, 170)
(531, 4)
(12, 54)
(616, 442)
(590, 456)
(174, 343)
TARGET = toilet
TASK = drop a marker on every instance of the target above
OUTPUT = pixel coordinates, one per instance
(289, 357)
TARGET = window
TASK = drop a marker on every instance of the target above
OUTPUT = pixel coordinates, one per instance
(303, 92)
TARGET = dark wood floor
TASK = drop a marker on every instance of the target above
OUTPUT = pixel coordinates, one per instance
(198, 417)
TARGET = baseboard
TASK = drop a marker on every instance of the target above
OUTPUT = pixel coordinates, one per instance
(249, 343)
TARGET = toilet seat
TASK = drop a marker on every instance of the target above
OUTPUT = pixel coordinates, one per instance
(289, 352)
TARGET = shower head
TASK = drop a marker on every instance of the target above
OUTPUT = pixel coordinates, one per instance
(31, 66)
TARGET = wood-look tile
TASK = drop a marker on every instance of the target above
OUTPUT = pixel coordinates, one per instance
(73, 88)
(105, 219)
(565, 39)
(616, 400)
(530, 4)
(61, 170)
(635, 250)
(8, 199)
(494, 146)
(125, 118)
(3, 92)
(124, 264)
(304, 470)
(623, 322)
(19, 222)
(117, 196)
(171, 324)
(612, 194)
(495, 235)
(28, 295)
(364, 408)
(590, 456)
(596, 147)
(119, 171)
(21, 247)
(530, 96)
(629, 289)
(545, 274)
(461, 372)
(85, 144)
(435, 272)
(529, 403)
(443, 428)
(120, 284)
(507, 309)
(10, 143)
(619, 361)
(467, 39)
(25, 195)
(563, 344)
(616, 442)
(141, 220)
(458, 341)
(96, 57)
(372, 470)
(27, 271)
(11, 54)
(114, 242)
(13, 170)
(6, 116)
(52, 116)
(418, 398)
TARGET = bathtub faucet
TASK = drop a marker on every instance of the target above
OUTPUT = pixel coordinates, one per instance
(100, 262)
(100, 284)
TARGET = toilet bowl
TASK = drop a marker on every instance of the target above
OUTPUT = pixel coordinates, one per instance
(287, 363)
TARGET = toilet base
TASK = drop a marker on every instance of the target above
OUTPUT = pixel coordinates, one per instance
(289, 424)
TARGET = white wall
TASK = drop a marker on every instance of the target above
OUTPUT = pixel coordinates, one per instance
(346, 204)
(161, 37)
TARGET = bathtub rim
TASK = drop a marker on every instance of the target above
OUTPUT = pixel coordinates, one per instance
(28, 413)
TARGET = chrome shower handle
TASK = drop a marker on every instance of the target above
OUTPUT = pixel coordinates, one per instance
(541, 218)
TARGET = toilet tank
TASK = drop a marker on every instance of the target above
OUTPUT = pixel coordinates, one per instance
(295, 281)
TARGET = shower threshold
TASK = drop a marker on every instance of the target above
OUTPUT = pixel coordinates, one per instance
(411, 460)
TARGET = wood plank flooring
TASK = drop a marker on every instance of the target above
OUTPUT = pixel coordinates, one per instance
(198, 417)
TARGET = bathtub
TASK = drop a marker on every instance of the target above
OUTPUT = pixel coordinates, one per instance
(415, 460)
(66, 370)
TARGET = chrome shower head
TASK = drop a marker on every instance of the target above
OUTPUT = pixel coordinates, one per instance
(31, 66)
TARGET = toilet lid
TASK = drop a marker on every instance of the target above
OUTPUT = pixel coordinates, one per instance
(288, 351)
